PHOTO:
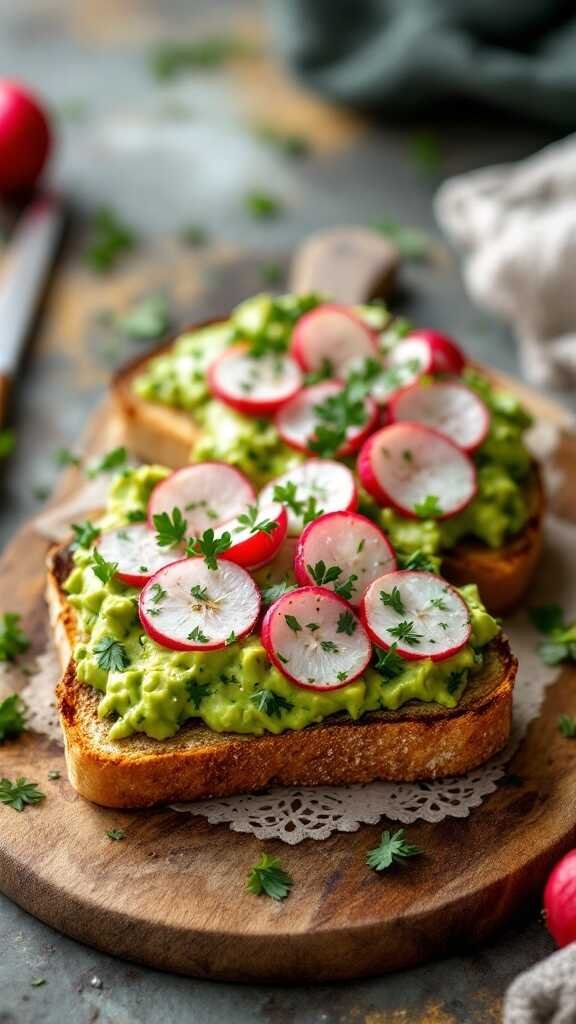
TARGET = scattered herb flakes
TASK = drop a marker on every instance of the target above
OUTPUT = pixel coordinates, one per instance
(170, 529)
(388, 663)
(7, 442)
(335, 415)
(411, 243)
(425, 149)
(198, 637)
(346, 588)
(169, 59)
(391, 849)
(194, 235)
(323, 575)
(84, 534)
(418, 560)
(209, 547)
(567, 726)
(292, 623)
(393, 600)
(158, 593)
(271, 593)
(560, 642)
(270, 703)
(114, 459)
(429, 508)
(262, 205)
(37, 982)
(249, 519)
(102, 569)
(329, 647)
(147, 319)
(347, 623)
(110, 239)
(12, 717)
(54, 774)
(111, 655)
(136, 515)
(197, 692)
(116, 834)
(13, 639)
(269, 877)
(20, 794)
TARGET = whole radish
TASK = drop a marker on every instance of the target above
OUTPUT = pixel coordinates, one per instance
(560, 900)
(25, 138)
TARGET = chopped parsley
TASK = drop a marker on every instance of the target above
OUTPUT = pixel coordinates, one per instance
(197, 692)
(110, 239)
(338, 413)
(197, 636)
(7, 442)
(269, 877)
(114, 459)
(292, 623)
(111, 654)
(560, 642)
(84, 534)
(391, 849)
(20, 793)
(65, 457)
(567, 726)
(270, 703)
(168, 60)
(157, 593)
(388, 663)
(418, 560)
(289, 143)
(323, 575)
(346, 623)
(209, 547)
(262, 205)
(116, 834)
(329, 646)
(12, 720)
(249, 520)
(429, 508)
(170, 529)
(101, 568)
(271, 593)
(13, 639)
(148, 319)
(393, 600)
(405, 631)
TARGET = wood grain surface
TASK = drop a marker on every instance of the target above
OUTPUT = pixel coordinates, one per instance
(172, 893)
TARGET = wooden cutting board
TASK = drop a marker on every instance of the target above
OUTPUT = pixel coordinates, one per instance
(172, 893)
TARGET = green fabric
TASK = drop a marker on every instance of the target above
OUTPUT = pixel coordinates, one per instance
(405, 56)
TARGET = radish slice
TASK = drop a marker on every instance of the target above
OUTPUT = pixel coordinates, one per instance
(207, 494)
(297, 421)
(188, 607)
(348, 542)
(452, 409)
(135, 551)
(334, 337)
(313, 638)
(417, 471)
(310, 490)
(414, 351)
(446, 355)
(257, 534)
(418, 614)
(256, 386)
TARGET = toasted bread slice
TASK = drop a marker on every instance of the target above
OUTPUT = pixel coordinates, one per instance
(419, 741)
(157, 433)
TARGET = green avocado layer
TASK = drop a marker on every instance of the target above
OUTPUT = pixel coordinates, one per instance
(236, 689)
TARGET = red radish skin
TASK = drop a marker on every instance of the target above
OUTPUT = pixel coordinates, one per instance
(560, 900)
(297, 421)
(435, 466)
(330, 483)
(414, 349)
(253, 550)
(333, 335)
(441, 629)
(25, 138)
(347, 540)
(446, 406)
(255, 387)
(230, 614)
(446, 355)
(218, 491)
(299, 655)
(135, 551)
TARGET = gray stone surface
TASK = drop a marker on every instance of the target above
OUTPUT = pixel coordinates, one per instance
(160, 173)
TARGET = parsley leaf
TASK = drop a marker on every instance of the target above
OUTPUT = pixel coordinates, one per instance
(136, 515)
(547, 618)
(110, 239)
(412, 243)
(65, 457)
(567, 726)
(111, 654)
(270, 703)
(405, 631)
(335, 415)
(560, 643)
(428, 508)
(346, 623)
(113, 459)
(388, 663)
(321, 575)
(7, 442)
(391, 849)
(198, 636)
(346, 588)
(20, 793)
(148, 319)
(393, 600)
(200, 593)
(418, 560)
(116, 834)
(271, 593)
(268, 876)
(208, 547)
(262, 205)
(292, 623)
(12, 721)
(287, 494)
(13, 640)
(329, 646)
(197, 692)
(84, 534)
(249, 519)
(170, 530)
(101, 568)
(310, 510)
(158, 593)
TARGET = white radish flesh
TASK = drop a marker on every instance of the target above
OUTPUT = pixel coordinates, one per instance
(346, 541)
(189, 607)
(417, 471)
(334, 337)
(298, 420)
(318, 485)
(207, 494)
(418, 614)
(135, 551)
(256, 386)
(453, 409)
(313, 638)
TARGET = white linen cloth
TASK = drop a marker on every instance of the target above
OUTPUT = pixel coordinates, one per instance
(546, 994)
(516, 225)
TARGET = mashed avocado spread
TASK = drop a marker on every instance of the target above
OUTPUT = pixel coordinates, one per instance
(235, 689)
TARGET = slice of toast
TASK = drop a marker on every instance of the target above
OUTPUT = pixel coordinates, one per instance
(157, 433)
(419, 741)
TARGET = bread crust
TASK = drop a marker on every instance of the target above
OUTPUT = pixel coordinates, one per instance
(419, 741)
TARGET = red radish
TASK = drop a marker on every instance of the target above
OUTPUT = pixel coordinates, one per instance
(560, 900)
(135, 551)
(298, 420)
(257, 534)
(449, 407)
(418, 614)
(24, 138)
(312, 637)
(309, 490)
(446, 355)
(207, 494)
(256, 386)
(188, 607)
(332, 336)
(417, 471)
(412, 351)
(348, 542)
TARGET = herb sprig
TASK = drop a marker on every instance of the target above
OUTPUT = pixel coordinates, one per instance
(392, 849)
(269, 877)
(20, 794)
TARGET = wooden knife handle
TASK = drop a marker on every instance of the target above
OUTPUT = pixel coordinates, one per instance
(349, 264)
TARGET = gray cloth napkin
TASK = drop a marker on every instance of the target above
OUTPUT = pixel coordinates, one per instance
(546, 994)
(516, 225)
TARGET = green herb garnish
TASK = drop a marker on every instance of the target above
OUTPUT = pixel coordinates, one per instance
(198, 636)
(292, 623)
(114, 459)
(116, 834)
(111, 654)
(13, 639)
(12, 720)
(428, 508)
(393, 600)
(346, 623)
(7, 442)
(270, 703)
(560, 643)
(209, 547)
(323, 575)
(101, 568)
(110, 239)
(567, 726)
(391, 849)
(262, 206)
(405, 631)
(20, 793)
(169, 59)
(84, 534)
(388, 663)
(197, 692)
(170, 529)
(66, 457)
(158, 593)
(269, 877)
(148, 319)
(249, 520)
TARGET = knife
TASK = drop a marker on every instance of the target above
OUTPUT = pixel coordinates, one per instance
(29, 257)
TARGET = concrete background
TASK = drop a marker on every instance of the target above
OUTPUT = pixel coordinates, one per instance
(165, 155)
